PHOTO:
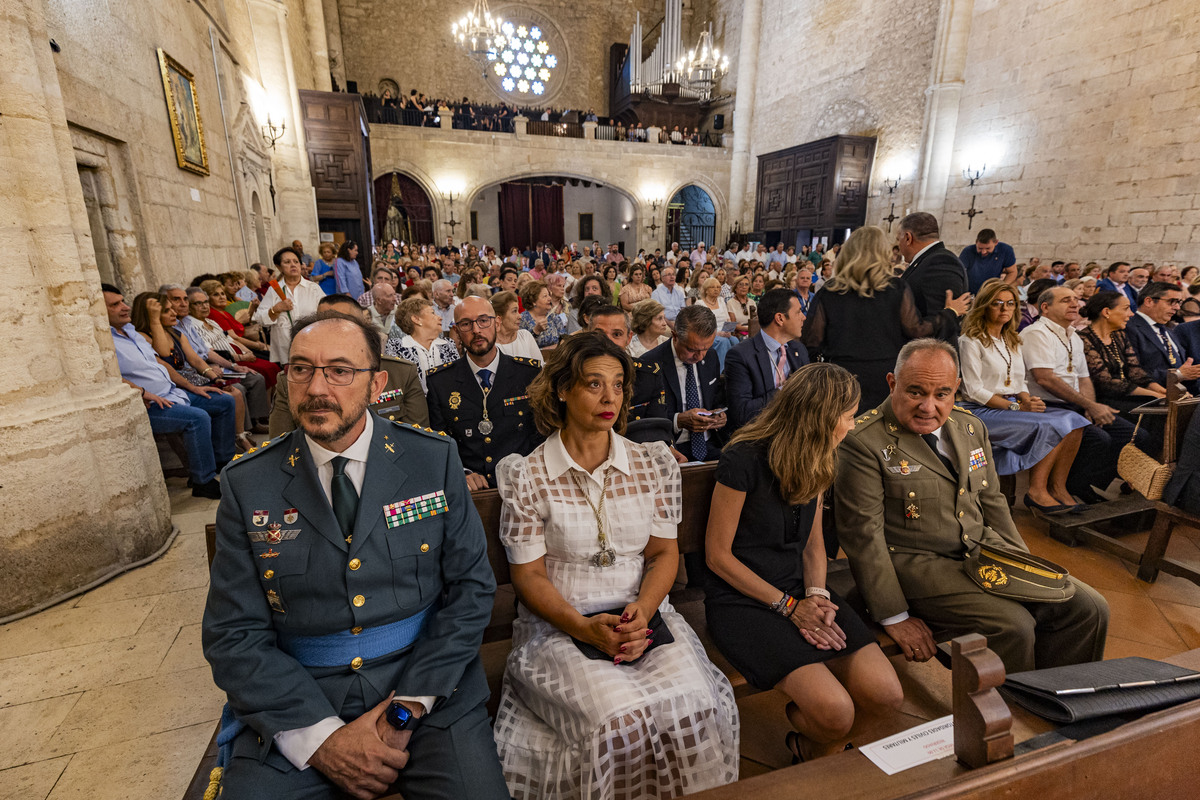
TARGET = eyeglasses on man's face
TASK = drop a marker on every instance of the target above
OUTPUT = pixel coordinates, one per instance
(335, 375)
(465, 325)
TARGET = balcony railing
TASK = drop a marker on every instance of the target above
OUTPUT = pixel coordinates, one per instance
(566, 130)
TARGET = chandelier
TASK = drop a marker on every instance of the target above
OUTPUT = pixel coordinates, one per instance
(478, 32)
(705, 63)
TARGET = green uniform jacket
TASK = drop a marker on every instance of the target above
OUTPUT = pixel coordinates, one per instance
(404, 400)
(904, 520)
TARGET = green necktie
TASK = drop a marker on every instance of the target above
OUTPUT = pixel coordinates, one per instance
(345, 498)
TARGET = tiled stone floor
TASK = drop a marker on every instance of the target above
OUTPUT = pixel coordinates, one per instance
(108, 697)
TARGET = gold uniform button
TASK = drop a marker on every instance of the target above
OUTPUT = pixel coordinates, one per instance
(424, 548)
(960, 514)
(269, 574)
(487, 439)
(356, 663)
(892, 549)
(355, 563)
(356, 630)
(392, 417)
(985, 484)
(359, 601)
(962, 491)
(912, 494)
(488, 459)
(966, 538)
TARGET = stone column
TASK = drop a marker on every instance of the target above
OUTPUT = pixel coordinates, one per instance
(941, 107)
(295, 202)
(333, 38)
(318, 44)
(83, 494)
(743, 114)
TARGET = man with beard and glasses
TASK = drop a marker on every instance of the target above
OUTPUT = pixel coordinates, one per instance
(483, 400)
(401, 400)
(350, 590)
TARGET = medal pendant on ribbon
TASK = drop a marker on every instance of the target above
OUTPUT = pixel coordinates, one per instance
(485, 426)
(605, 558)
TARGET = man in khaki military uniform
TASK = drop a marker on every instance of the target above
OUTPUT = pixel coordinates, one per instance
(402, 399)
(908, 515)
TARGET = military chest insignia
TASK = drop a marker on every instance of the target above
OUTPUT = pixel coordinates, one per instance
(260, 518)
(455, 400)
(269, 554)
(273, 535)
(978, 460)
(485, 426)
(290, 516)
(512, 401)
(971, 428)
(388, 446)
(390, 394)
(892, 427)
(292, 460)
(912, 512)
(905, 468)
(415, 508)
(887, 452)
(276, 603)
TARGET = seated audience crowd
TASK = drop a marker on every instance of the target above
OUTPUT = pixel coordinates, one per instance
(867, 396)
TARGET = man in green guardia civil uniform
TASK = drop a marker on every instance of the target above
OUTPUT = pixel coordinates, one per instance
(916, 493)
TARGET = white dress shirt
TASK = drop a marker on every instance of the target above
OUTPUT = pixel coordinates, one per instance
(1046, 345)
(299, 744)
(984, 370)
(681, 373)
(304, 297)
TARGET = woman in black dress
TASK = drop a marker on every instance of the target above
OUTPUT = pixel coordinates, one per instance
(864, 314)
(767, 606)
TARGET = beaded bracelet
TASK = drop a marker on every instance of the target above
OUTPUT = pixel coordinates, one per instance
(785, 606)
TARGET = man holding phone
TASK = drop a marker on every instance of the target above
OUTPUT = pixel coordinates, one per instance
(695, 388)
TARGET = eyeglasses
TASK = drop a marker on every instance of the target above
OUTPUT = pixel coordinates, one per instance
(334, 375)
(465, 325)
(1004, 304)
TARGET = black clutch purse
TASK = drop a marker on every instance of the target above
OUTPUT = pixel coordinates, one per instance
(662, 635)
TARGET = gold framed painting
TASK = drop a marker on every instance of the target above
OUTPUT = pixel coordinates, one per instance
(187, 131)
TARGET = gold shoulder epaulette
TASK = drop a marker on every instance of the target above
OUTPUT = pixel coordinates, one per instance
(963, 410)
(400, 360)
(415, 427)
(438, 368)
(533, 362)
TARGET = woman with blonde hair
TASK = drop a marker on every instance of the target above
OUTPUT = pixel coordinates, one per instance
(864, 314)
(1024, 433)
(710, 298)
(767, 605)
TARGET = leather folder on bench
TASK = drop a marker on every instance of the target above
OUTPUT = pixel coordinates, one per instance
(1097, 689)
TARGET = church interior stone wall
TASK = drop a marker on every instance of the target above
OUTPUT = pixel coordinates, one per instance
(1090, 117)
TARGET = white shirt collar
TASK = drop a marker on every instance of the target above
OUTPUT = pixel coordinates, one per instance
(1153, 325)
(355, 452)
(1056, 328)
(558, 461)
(921, 252)
(495, 362)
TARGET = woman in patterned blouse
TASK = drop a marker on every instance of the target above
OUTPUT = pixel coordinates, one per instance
(1113, 365)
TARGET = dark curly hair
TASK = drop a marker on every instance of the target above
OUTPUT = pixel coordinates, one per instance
(565, 369)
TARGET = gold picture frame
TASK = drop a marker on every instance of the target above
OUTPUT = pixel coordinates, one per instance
(187, 131)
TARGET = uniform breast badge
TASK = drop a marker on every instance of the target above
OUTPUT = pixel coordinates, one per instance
(260, 518)
(269, 554)
(905, 468)
(978, 460)
(912, 512)
(971, 428)
(415, 508)
(290, 516)
(887, 452)
(390, 394)
(455, 400)
(274, 534)
(275, 602)
(485, 426)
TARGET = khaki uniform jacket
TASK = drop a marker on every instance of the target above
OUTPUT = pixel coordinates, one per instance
(904, 520)
(404, 400)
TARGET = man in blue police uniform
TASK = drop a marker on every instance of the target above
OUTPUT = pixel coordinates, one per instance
(482, 401)
(348, 598)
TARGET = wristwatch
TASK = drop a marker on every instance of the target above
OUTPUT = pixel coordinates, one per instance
(1014, 406)
(400, 717)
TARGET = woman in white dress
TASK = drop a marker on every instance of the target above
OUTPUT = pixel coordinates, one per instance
(511, 338)
(277, 313)
(416, 336)
(596, 703)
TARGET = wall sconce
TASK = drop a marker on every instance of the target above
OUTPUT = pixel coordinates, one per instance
(891, 184)
(971, 175)
(272, 133)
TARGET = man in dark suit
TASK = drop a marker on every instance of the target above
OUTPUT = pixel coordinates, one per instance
(756, 368)
(934, 273)
(349, 594)
(1116, 279)
(695, 391)
(1188, 335)
(1157, 347)
(402, 399)
(482, 401)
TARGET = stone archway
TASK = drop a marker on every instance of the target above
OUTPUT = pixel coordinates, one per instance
(403, 210)
(691, 218)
